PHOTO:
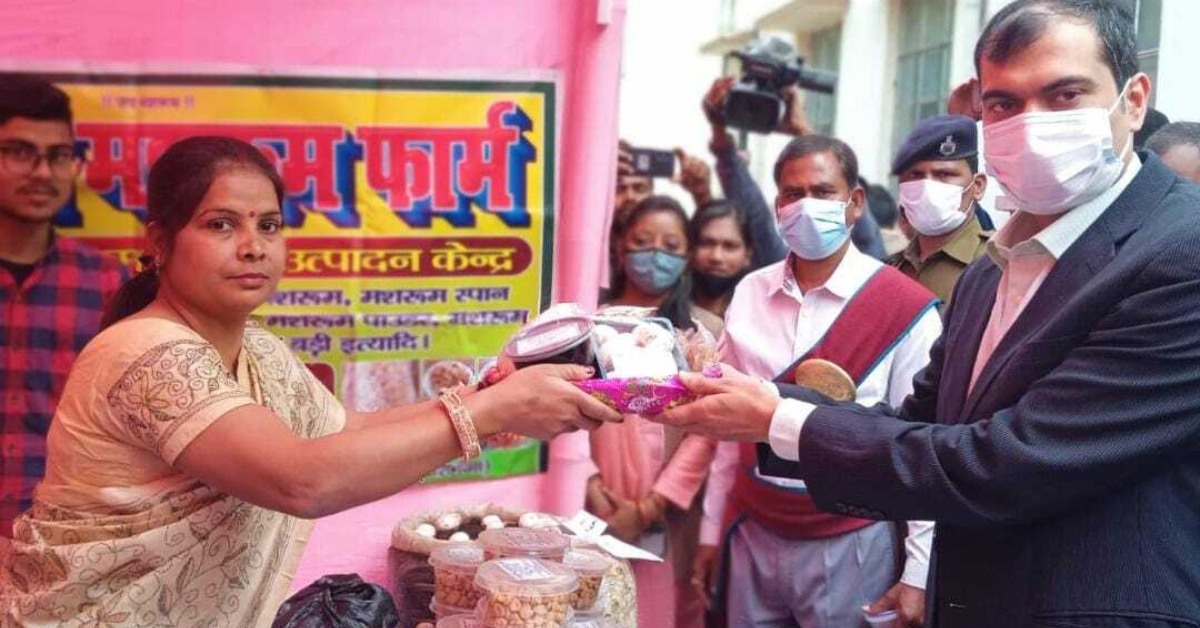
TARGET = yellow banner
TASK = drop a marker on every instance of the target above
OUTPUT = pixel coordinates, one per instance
(419, 215)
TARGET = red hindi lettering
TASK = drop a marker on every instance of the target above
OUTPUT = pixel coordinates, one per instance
(490, 165)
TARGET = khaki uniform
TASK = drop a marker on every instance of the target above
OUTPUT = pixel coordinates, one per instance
(940, 271)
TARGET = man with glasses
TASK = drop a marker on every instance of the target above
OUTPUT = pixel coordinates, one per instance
(52, 289)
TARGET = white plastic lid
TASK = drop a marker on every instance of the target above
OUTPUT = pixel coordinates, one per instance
(462, 557)
(535, 542)
(526, 576)
(587, 562)
(542, 339)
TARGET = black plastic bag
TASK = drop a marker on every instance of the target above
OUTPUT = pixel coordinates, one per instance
(338, 601)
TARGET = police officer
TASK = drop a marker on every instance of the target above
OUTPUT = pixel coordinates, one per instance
(940, 188)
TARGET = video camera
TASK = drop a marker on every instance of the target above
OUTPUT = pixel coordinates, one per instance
(769, 64)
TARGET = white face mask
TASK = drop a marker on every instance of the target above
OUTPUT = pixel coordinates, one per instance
(814, 228)
(1053, 161)
(932, 207)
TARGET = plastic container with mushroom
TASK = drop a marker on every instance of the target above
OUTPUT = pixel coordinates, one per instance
(454, 568)
(526, 592)
(524, 542)
(591, 567)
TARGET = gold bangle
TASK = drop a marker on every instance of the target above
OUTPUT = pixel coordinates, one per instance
(460, 419)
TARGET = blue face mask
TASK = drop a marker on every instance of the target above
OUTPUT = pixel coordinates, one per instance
(814, 228)
(654, 271)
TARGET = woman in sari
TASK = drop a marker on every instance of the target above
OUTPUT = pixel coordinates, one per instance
(191, 448)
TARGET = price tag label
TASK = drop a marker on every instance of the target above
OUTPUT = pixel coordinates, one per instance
(586, 525)
(524, 569)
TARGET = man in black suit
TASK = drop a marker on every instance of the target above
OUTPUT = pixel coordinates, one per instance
(1055, 434)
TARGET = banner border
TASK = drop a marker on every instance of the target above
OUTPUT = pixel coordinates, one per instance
(547, 89)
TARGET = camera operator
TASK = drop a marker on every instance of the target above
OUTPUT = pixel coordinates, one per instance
(741, 189)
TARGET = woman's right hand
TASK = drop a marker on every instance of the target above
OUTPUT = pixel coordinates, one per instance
(540, 402)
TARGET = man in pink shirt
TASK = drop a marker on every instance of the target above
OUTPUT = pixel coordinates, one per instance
(788, 563)
(1055, 435)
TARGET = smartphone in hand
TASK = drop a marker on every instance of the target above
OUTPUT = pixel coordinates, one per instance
(649, 162)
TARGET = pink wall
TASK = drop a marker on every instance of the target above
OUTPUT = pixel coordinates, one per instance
(395, 37)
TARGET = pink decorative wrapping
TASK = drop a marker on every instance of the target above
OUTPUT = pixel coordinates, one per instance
(646, 396)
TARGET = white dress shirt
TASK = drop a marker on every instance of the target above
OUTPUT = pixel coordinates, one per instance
(768, 326)
(1026, 256)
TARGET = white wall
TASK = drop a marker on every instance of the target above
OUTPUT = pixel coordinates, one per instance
(1179, 50)
(664, 77)
(968, 15)
(864, 99)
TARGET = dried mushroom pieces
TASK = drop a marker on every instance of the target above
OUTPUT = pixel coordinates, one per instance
(538, 520)
(448, 522)
(457, 590)
(591, 567)
(454, 570)
(525, 592)
(584, 598)
(423, 532)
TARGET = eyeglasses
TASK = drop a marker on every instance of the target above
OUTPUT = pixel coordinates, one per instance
(24, 158)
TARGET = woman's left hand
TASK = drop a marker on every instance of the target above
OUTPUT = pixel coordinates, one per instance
(596, 498)
(625, 521)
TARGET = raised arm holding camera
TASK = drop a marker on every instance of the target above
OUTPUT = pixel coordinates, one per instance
(768, 97)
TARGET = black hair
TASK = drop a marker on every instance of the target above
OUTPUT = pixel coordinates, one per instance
(715, 210)
(806, 145)
(1021, 23)
(177, 184)
(1172, 135)
(1154, 121)
(880, 203)
(30, 96)
(677, 307)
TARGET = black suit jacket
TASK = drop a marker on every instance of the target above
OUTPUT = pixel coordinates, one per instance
(1066, 486)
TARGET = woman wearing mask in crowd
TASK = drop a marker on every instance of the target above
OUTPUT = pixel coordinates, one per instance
(648, 478)
(190, 446)
(721, 254)
(652, 263)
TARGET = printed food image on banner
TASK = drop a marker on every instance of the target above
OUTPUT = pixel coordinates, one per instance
(419, 216)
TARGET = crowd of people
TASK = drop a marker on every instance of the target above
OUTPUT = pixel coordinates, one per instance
(839, 270)
(918, 413)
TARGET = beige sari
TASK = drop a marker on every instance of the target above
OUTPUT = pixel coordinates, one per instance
(116, 535)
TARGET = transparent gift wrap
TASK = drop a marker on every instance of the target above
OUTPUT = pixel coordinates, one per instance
(637, 359)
